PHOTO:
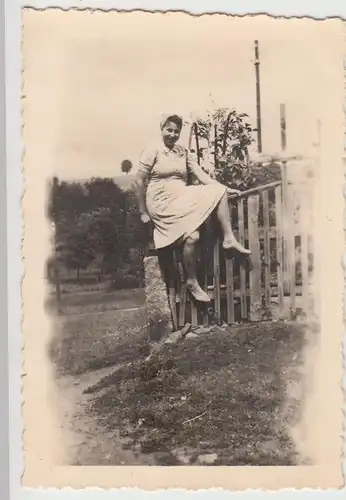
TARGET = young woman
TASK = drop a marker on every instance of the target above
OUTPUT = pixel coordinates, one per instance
(176, 208)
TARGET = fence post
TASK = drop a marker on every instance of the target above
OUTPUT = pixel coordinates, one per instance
(255, 273)
(304, 256)
(284, 213)
(279, 253)
(267, 260)
(243, 297)
(230, 290)
(291, 254)
(217, 290)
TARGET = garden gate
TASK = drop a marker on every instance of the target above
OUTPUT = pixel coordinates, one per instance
(275, 222)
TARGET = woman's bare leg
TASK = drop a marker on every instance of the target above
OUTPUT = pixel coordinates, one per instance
(190, 264)
(224, 218)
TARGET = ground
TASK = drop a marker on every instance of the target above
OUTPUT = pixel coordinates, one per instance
(222, 398)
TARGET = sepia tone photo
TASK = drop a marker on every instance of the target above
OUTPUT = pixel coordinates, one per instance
(182, 296)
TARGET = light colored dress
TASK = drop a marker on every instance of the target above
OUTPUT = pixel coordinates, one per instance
(176, 208)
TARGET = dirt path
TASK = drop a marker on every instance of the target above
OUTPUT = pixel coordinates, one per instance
(85, 442)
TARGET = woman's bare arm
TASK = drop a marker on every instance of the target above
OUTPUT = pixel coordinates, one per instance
(140, 189)
(197, 170)
(205, 179)
(202, 176)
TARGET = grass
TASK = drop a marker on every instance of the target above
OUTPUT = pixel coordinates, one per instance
(225, 393)
(88, 342)
(82, 300)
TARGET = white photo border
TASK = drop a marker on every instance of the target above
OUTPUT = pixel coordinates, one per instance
(11, 186)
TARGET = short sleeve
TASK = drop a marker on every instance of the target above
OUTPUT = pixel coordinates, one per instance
(147, 160)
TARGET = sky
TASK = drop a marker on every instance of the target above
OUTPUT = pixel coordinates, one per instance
(97, 86)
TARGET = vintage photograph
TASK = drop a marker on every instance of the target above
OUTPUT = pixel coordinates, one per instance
(177, 163)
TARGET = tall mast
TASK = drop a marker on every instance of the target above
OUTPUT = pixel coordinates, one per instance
(258, 98)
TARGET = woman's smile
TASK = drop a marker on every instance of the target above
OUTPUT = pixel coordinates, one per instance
(170, 133)
(171, 140)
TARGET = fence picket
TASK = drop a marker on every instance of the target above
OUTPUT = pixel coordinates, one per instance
(230, 291)
(304, 257)
(285, 226)
(172, 300)
(194, 313)
(279, 250)
(261, 294)
(291, 251)
(204, 260)
(255, 273)
(182, 305)
(217, 295)
(241, 233)
(205, 309)
(267, 294)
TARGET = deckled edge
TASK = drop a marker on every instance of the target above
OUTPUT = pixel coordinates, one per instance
(100, 10)
(344, 264)
(22, 229)
(205, 13)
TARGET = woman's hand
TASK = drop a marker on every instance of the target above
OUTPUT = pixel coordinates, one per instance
(234, 192)
(145, 217)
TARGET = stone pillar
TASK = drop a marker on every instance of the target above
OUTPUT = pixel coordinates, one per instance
(159, 317)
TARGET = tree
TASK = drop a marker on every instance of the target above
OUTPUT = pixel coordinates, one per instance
(74, 251)
(126, 166)
(66, 200)
(86, 220)
(103, 192)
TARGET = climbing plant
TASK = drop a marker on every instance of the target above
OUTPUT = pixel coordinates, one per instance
(230, 135)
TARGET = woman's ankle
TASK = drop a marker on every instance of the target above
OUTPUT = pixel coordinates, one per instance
(228, 237)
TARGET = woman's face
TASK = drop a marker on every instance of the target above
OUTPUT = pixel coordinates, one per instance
(170, 134)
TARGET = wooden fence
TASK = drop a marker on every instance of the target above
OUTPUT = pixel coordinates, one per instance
(274, 221)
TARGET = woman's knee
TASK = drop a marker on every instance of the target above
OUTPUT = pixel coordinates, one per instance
(193, 238)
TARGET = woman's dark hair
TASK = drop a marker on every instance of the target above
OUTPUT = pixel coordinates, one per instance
(175, 119)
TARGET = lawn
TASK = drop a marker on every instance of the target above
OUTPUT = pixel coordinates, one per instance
(223, 395)
(80, 300)
(86, 342)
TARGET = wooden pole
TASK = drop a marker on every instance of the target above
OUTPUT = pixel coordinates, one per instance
(283, 148)
(224, 147)
(258, 98)
(283, 126)
(198, 151)
(192, 129)
(215, 146)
